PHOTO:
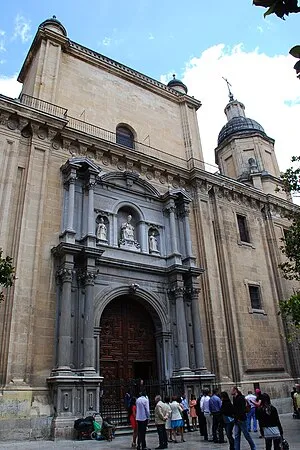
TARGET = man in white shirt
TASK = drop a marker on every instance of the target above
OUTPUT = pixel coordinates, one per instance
(204, 405)
(251, 415)
(142, 418)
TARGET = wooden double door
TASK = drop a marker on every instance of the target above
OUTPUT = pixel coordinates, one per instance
(127, 343)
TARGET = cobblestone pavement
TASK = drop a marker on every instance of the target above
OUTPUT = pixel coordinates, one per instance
(193, 441)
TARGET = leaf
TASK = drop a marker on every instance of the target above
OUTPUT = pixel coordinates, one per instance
(295, 51)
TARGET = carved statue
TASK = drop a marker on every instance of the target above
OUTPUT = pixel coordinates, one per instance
(127, 230)
(102, 230)
(153, 244)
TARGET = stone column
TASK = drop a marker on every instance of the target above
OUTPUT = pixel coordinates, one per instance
(183, 350)
(88, 324)
(71, 199)
(91, 221)
(198, 341)
(64, 357)
(187, 231)
(171, 210)
(143, 237)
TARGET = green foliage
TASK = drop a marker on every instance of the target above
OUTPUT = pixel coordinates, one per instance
(279, 7)
(291, 178)
(290, 309)
(7, 273)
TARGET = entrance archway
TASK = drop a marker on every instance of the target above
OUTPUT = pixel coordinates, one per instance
(128, 344)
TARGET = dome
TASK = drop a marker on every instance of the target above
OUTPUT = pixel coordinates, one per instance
(240, 125)
(53, 22)
(177, 85)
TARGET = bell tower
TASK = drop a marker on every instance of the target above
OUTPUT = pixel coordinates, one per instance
(245, 152)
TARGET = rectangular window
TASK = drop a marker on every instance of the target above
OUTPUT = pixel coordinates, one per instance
(254, 292)
(243, 228)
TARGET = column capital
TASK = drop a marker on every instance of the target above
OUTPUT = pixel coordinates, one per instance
(184, 210)
(87, 277)
(176, 292)
(65, 275)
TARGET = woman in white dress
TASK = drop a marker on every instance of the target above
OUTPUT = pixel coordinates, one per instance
(176, 418)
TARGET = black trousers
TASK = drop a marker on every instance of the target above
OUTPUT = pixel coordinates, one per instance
(186, 419)
(217, 428)
(202, 425)
(142, 426)
(162, 435)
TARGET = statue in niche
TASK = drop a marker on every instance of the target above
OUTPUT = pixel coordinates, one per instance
(127, 230)
(101, 230)
(153, 243)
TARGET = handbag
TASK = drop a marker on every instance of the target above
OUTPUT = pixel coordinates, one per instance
(228, 419)
(271, 432)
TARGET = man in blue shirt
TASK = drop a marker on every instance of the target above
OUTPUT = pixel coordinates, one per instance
(185, 412)
(215, 404)
(142, 418)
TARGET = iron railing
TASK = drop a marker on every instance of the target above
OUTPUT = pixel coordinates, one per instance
(42, 105)
(98, 132)
(112, 400)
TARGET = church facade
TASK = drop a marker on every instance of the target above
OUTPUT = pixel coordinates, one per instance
(132, 261)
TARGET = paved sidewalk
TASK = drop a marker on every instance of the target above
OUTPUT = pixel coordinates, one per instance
(193, 441)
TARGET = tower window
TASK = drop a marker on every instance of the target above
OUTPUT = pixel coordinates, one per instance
(124, 137)
(243, 228)
(255, 297)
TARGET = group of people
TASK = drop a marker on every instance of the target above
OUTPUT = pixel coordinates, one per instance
(217, 412)
(170, 416)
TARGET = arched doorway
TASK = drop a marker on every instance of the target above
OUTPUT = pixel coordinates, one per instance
(128, 344)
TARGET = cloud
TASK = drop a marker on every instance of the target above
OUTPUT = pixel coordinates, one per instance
(22, 29)
(9, 86)
(106, 41)
(266, 85)
(2, 41)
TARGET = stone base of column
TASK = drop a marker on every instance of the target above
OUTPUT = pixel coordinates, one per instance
(88, 372)
(62, 371)
(63, 428)
(72, 397)
(196, 381)
(174, 258)
(89, 240)
(183, 371)
(68, 236)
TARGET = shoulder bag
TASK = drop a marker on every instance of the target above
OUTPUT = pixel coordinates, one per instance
(271, 432)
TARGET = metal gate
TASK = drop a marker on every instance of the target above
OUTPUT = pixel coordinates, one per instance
(113, 395)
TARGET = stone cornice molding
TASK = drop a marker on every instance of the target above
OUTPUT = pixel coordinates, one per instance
(95, 58)
(236, 136)
(225, 189)
(130, 178)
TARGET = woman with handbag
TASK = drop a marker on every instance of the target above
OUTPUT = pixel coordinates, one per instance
(227, 412)
(270, 423)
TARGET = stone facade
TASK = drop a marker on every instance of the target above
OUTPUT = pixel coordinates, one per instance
(171, 238)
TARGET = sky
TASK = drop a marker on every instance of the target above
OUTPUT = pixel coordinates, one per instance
(199, 41)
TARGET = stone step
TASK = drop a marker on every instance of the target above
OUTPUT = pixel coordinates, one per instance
(123, 430)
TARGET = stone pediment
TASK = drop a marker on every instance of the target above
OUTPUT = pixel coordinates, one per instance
(129, 180)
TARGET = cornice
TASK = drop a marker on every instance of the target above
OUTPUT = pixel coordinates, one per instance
(110, 65)
(240, 137)
(228, 190)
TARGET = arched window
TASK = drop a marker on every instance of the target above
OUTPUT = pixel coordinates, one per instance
(125, 136)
